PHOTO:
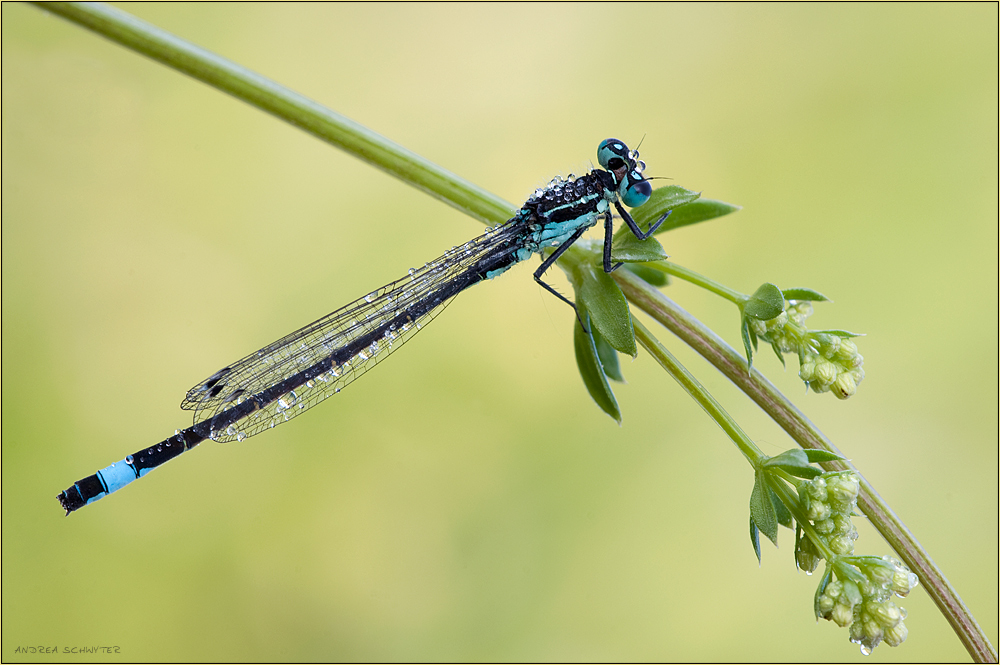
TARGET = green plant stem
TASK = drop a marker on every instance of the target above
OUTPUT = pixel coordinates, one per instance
(687, 275)
(697, 391)
(746, 445)
(725, 358)
(288, 105)
(294, 108)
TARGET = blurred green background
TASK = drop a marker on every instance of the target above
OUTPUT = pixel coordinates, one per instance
(468, 500)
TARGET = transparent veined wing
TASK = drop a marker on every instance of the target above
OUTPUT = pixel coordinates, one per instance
(298, 371)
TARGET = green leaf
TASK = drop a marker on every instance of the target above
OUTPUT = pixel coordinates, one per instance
(777, 352)
(755, 539)
(701, 210)
(784, 516)
(794, 462)
(608, 309)
(608, 357)
(766, 303)
(819, 456)
(590, 368)
(791, 457)
(808, 472)
(804, 294)
(749, 341)
(600, 296)
(630, 249)
(650, 275)
(662, 200)
(762, 509)
(838, 333)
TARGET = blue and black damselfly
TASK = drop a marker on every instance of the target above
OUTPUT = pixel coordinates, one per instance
(300, 370)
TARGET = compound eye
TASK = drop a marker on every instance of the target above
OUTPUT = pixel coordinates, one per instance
(635, 192)
(611, 154)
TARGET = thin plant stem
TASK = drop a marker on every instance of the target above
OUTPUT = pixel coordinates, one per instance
(697, 279)
(715, 411)
(697, 391)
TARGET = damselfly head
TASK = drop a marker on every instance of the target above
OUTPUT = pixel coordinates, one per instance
(625, 165)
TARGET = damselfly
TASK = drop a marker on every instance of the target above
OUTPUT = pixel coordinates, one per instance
(300, 370)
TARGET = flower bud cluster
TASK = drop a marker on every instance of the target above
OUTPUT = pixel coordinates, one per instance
(828, 501)
(862, 602)
(859, 597)
(827, 363)
(831, 364)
